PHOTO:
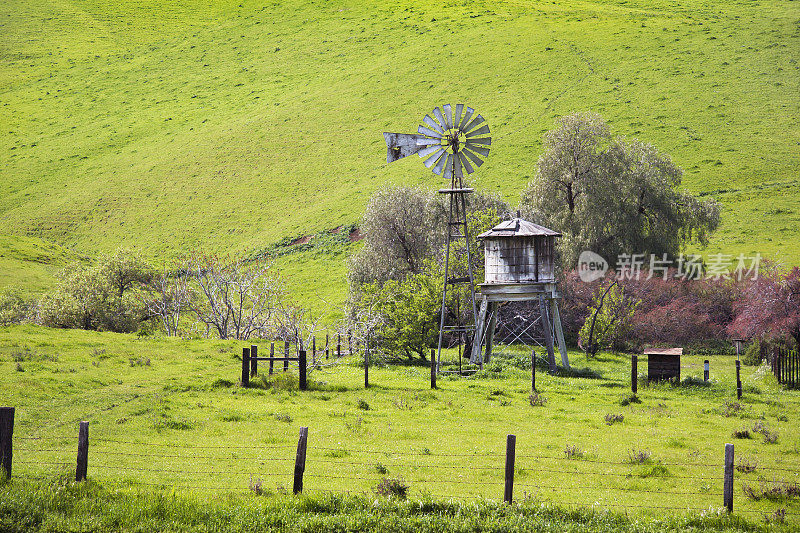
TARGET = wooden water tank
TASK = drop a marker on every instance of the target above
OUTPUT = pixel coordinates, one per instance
(518, 251)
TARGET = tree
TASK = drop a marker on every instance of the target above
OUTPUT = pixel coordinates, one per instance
(612, 196)
(769, 306)
(167, 298)
(236, 298)
(125, 269)
(405, 226)
(609, 321)
(97, 297)
(399, 234)
(409, 313)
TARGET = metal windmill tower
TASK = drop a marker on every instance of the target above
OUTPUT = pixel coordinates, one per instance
(449, 143)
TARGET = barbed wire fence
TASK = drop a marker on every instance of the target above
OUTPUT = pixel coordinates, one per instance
(627, 485)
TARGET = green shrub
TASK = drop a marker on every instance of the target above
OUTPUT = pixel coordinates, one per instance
(752, 356)
(14, 309)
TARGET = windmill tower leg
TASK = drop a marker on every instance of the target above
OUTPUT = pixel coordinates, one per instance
(490, 330)
(548, 337)
(562, 346)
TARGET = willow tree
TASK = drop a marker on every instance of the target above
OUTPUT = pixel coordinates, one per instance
(613, 196)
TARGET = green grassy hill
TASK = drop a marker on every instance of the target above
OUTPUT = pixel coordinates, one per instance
(231, 125)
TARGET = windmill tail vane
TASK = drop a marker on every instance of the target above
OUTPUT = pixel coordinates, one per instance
(449, 142)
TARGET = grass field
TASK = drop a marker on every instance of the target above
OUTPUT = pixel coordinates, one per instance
(168, 415)
(232, 125)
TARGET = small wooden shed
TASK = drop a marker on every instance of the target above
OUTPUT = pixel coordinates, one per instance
(663, 363)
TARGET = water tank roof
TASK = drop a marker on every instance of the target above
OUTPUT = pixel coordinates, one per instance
(517, 227)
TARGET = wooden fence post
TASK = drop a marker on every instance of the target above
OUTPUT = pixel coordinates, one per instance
(301, 363)
(271, 355)
(433, 369)
(738, 380)
(338, 345)
(706, 370)
(327, 346)
(83, 452)
(285, 356)
(634, 373)
(366, 364)
(300, 460)
(245, 367)
(727, 487)
(533, 370)
(253, 360)
(314, 350)
(511, 444)
(6, 436)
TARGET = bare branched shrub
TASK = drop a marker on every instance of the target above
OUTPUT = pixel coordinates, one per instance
(573, 452)
(745, 466)
(394, 487)
(167, 298)
(612, 418)
(637, 456)
(236, 298)
(536, 399)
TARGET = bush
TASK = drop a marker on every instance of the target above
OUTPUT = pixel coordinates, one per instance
(392, 487)
(612, 418)
(752, 356)
(537, 400)
(573, 452)
(100, 297)
(638, 457)
(743, 433)
(14, 309)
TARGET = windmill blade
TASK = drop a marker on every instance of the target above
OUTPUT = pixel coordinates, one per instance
(400, 145)
(425, 141)
(459, 173)
(480, 131)
(425, 152)
(432, 123)
(475, 159)
(448, 167)
(432, 159)
(478, 120)
(438, 168)
(481, 140)
(466, 118)
(448, 115)
(464, 161)
(430, 133)
(479, 149)
(440, 118)
(459, 110)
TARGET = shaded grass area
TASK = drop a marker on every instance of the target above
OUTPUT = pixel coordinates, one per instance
(61, 505)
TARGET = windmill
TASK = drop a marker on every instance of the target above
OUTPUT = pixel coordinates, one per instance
(449, 143)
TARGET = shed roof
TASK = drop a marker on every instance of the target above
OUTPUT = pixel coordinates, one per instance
(663, 351)
(517, 227)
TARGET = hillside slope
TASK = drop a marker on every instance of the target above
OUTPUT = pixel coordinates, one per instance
(230, 125)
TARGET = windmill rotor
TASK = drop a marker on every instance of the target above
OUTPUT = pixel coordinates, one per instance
(449, 142)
